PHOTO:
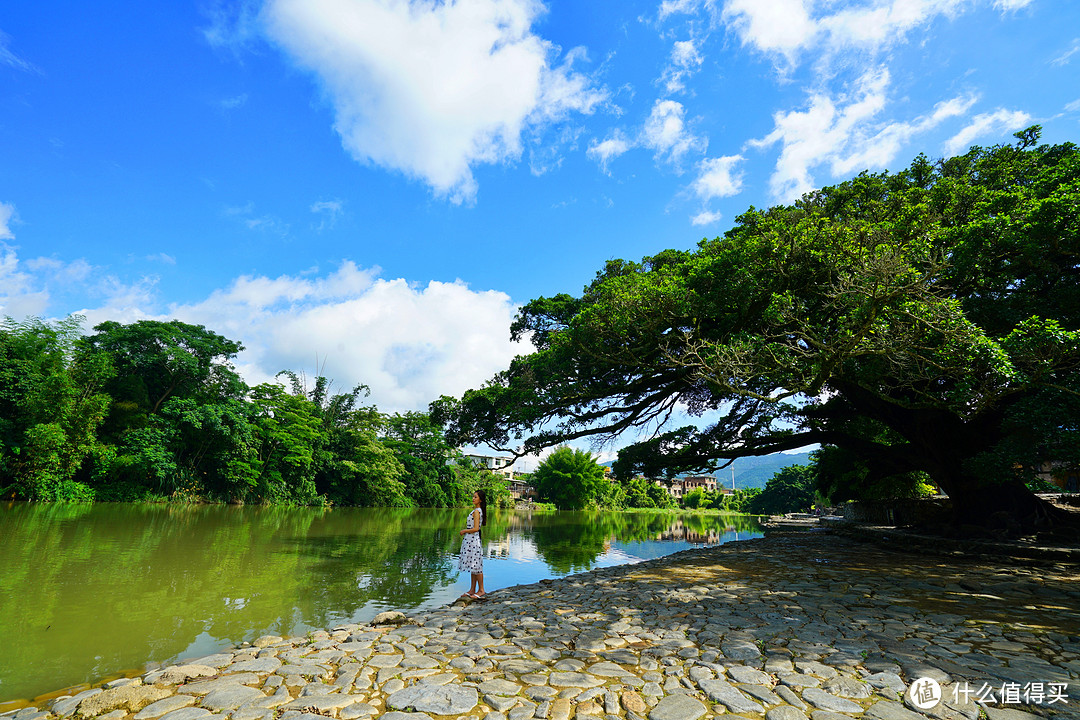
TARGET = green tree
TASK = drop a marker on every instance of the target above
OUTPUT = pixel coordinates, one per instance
(286, 433)
(570, 479)
(421, 447)
(790, 490)
(51, 405)
(918, 320)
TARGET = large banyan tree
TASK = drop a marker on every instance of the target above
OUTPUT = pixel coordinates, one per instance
(924, 321)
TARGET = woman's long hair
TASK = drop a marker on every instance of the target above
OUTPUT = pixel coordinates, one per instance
(483, 507)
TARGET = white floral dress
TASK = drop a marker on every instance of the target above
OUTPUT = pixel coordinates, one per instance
(471, 558)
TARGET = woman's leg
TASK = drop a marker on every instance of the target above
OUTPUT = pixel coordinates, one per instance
(480, 591)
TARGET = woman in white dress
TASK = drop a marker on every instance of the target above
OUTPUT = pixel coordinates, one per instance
(471, 557)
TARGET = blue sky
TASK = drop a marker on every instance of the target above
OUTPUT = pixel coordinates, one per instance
(379, 184)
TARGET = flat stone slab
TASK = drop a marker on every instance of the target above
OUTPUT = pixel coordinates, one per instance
(204, 687)
(677, 707)
(886, 710)
(404, 716)
(726, 694)
(574, 679)
(606, 669)
(130, 697)
(180, 673)
(785, 712)
(321, 704)
(164, 706)
(230, 698)
(385, 661)
(217, 660)
(436, 699)
(188, 713)
(825, 701)
(258, 665)
(499, 687)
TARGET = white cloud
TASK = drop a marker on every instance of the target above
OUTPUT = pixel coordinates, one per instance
(783, 26)
(1009, 5)
(7, 216)
(666, 134)
(995, 123)
(787, 28)
(1065, 57)
(674, 7)
(609, 149)
(162, 258)
(685, 60)
(844, 134)
(20, 295)
(1073, 106)
(705, 217)
(409, 343)
(328, 211)
(717, 177)
(819, 133)
(234, 25)
(233, 102)
(432, 89)
(11, 59)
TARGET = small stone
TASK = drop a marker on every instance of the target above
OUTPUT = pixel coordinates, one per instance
(588, 709)
(266, 641)
(390, 617)
(560, 709)
(501, 703)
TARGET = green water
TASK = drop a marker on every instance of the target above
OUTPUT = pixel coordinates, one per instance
(87, 591)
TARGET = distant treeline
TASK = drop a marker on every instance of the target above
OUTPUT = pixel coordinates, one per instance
(155, 411)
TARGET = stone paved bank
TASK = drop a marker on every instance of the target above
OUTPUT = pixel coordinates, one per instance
(784, 628)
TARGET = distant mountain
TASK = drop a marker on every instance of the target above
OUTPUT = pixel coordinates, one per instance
(754, 472)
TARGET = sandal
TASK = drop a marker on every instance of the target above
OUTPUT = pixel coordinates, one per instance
(470, 595)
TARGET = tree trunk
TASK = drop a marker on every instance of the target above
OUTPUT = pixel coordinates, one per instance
(1009, 505)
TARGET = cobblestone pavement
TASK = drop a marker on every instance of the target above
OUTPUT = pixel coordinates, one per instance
(783, 628)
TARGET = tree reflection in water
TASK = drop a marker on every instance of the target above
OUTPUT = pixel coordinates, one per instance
(88, 590)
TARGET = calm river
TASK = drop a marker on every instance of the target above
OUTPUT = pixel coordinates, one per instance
(89, 591)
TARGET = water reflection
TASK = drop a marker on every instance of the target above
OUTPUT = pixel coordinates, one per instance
(89, 590)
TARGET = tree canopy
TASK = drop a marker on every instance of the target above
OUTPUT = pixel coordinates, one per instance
(570, 479)
(924, 321)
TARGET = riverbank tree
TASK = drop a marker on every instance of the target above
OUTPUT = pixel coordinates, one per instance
(925, 322)
(155, 411)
